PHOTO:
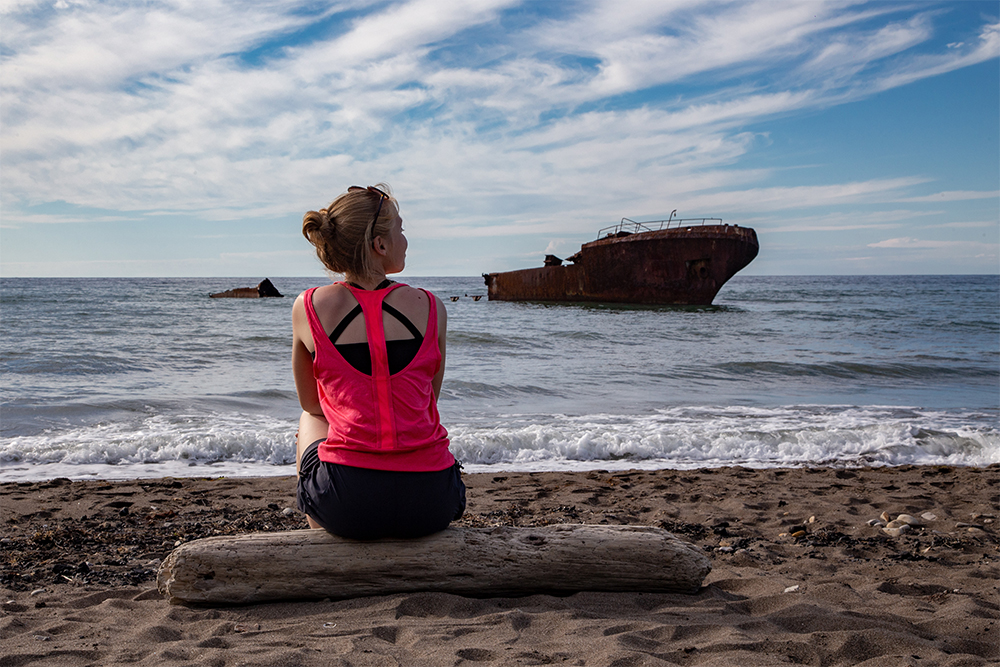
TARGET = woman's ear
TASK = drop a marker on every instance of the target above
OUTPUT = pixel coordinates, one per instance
(378, 245)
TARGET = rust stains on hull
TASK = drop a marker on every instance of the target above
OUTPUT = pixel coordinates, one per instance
(679, 266)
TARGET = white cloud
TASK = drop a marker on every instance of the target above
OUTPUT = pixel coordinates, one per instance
(204, 131)
(972, 224)
(407, 26)
(104, 45)
(267, 254)
(810, 196)
(838, 221)
(646, 44)
(18, 219)
(923, 66)
(846, 54)
(907, 242)
(557, 127)
(953, 195)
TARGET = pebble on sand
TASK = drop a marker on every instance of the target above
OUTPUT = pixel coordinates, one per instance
(896, 531)
(903, 523)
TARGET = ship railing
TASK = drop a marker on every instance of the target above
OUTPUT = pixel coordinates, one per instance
(627, 226)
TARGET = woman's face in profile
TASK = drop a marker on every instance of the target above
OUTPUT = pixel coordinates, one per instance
(395, 245)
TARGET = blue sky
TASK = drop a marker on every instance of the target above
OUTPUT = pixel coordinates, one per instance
(188, 138)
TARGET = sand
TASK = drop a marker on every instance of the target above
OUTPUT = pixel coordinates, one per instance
(799, 577)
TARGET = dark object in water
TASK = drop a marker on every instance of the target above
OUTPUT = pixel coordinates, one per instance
(263, 289)
(677, 262)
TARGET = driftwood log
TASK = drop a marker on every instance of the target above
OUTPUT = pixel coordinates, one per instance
(481, 562)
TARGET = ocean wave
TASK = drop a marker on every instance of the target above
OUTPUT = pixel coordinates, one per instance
(579, 335)
(464, 389)
(681, 437)
(70, 364)
(852, 370)
(457, 338)
(155, 439)
(736, 436)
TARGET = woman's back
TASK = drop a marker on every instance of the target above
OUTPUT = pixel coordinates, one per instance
(334, 303)
(403, 333)
(379, 418)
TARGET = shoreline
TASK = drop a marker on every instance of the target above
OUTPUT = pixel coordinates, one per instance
(16, 473)
(79, 562)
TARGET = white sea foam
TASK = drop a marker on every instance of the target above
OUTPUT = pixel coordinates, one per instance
(735, 436)
(182, 438)
(684, 437)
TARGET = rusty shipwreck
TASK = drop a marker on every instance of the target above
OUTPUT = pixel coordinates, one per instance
(664, 262)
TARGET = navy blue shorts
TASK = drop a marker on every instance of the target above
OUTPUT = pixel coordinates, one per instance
(365, 504)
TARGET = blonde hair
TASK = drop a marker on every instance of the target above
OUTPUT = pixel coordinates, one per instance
(343, 231)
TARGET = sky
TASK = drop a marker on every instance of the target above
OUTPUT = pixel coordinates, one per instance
(187, 138)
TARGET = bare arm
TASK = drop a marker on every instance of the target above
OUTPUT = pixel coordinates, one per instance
(442, 317)
(302, 361)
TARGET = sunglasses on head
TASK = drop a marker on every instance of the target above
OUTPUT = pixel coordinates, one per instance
(381, 198)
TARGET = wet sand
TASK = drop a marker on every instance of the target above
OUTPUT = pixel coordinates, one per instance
(799, 576)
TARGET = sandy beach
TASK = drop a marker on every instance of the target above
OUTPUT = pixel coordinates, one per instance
(799, 576)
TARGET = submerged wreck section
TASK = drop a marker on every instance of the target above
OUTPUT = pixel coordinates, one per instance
(263, 289)
(678, 263)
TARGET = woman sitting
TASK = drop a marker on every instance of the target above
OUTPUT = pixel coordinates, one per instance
(368, 358)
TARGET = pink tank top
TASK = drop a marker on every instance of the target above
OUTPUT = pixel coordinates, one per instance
(381, 421)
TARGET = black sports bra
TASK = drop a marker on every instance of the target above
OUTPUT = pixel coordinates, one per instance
(400, 352)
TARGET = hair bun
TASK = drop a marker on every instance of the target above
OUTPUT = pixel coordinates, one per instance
(342, 231)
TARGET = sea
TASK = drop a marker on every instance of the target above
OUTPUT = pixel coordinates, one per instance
(126, 378)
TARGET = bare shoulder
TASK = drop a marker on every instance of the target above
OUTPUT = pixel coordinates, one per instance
(441, 309)
(410, 296)
(419, 298)
(331, 303)
(331, 297)
(414, 303)
(299, 308)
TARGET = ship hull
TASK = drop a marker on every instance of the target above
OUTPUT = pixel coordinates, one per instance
(680, 266)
